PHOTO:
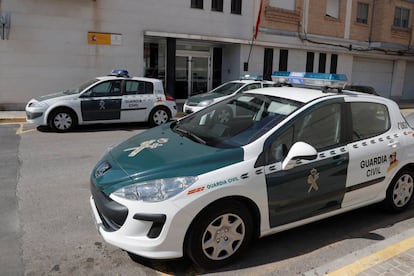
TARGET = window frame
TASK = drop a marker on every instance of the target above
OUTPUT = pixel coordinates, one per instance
(217, 5)
(197, 4)
(236, 7)
(283, 4)
(362, 13)
(333, 9)
(399, 20)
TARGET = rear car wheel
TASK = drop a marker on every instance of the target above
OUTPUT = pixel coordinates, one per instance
(400, 191)
(159, 116)
(62, 120)
(219, 234)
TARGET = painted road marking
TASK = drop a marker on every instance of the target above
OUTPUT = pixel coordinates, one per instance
(375, 259)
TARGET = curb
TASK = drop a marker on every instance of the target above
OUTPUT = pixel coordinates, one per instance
(12, 120)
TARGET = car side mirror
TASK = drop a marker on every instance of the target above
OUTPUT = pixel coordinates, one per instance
(299, 150)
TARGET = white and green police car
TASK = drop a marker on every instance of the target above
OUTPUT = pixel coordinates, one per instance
(116, 98)
(245, 83)
(205, 188)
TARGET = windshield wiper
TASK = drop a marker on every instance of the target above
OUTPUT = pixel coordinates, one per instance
(190, 135)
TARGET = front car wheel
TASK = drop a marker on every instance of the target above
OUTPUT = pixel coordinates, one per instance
(62, 120)
(220, 234)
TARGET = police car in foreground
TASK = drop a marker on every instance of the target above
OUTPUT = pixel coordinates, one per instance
(245, 83)
(206, 188)
(116, 98)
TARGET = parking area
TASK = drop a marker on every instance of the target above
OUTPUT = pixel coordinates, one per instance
(55, 232)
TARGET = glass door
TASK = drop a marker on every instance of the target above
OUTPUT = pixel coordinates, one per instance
(192, 73)
(181, 77)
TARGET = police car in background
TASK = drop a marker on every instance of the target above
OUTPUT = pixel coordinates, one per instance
(245, 83)
(116, 98)
(206, 188)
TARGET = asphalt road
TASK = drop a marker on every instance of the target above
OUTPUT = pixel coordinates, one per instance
(49, 229)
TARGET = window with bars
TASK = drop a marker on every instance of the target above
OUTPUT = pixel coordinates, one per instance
(217, 5)
(236, 6)
(362, 13)
(197, 4)
(401, 17)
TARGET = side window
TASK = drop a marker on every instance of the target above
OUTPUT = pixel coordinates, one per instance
(138, 87)
(321, 128)
(280, 147)
(369, 119)
(105, 89)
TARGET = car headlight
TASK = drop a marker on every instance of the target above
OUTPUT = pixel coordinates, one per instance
(37, 104)
(206, 103)
(156, 190)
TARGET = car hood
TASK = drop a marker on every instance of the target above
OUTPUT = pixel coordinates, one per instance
(161, 153)
(54, 96)
(205, 97)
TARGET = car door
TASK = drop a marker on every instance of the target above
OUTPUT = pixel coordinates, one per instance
(102, 102)
(374, 150)
(312, 187)
(138, 100)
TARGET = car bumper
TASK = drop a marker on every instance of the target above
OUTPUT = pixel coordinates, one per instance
(143, 231)
(35, 115)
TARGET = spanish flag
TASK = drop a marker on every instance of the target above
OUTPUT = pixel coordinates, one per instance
(259, 16)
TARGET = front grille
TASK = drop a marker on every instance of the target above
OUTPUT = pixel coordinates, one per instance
(113, 214)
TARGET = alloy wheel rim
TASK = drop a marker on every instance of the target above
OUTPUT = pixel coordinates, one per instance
(160, 117)
(403, 190)
(62, 121)
(223, 237)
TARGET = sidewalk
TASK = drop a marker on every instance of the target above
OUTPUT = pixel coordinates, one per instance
(12, 116)
(391, 257)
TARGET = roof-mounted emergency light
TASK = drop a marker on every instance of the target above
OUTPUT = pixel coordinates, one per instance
(311, 79)
(251, 77)
(120, 73)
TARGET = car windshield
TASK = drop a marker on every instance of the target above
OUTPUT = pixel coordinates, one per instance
(228, 88)
(80, 88)
(236, 121)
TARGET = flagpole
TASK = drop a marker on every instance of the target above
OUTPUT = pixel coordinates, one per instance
(255, 32)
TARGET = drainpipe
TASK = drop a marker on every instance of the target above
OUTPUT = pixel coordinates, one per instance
(348, 19)
(371, 24)
(305, 17)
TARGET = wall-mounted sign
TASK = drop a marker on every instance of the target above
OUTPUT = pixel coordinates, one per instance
(104, 38)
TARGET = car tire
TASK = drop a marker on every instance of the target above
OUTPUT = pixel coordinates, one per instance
(223, 115)
(62, 120)
(219, 234)
(159, 116)
(400, 191)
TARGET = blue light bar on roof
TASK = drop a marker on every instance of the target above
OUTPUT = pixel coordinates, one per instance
(251, 77)
(311, 79)
(119, 73)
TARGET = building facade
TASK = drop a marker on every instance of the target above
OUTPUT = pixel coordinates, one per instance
(194, 45)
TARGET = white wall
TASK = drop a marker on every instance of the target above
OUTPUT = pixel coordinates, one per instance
(47, 49)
